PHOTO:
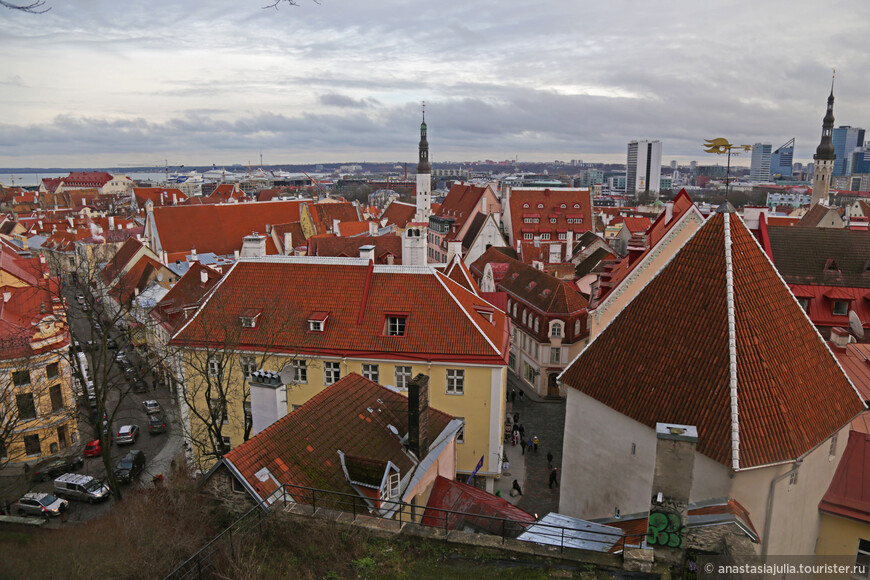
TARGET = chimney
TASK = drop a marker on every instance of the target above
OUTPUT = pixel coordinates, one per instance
(193, 257)
(483, 204)
(174, 199)
(373, 228)
(840, 338)
(111, 222)
(203, 276)
(672, 485)
(418, 416)
(454, 248)
(268, 399)
(367, 252)
(253, 246)
(669, 211)
(288, 243)
(335, 227)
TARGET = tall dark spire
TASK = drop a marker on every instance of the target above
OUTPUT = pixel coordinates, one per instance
(423, 162)
(825, 150)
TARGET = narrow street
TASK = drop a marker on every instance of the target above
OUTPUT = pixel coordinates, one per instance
(544, 418)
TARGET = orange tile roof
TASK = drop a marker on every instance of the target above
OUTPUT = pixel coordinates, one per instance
(848, 495)
(135, 279)
(855, 360)
(219, 228)
(352, 416)
(548, 204)
(399, 213)
(352, 228)
(644, 364)
(459, 273)
(442, 321)
(323, 215)
(87, 179)
(456, 496)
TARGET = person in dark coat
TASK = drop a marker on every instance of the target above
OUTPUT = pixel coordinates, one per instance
(517, 487)
(553, 480)
(513, 395)
(549, 459)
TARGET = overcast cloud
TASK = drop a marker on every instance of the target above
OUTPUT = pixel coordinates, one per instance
(104, 83)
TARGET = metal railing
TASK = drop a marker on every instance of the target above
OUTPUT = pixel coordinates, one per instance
(398, 512)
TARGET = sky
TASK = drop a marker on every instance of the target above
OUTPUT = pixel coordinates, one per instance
(102, 83)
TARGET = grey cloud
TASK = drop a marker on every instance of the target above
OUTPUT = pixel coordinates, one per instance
(345, 102)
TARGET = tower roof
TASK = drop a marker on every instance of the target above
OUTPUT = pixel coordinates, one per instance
(825, 150)
(717, 340)
(423, 161)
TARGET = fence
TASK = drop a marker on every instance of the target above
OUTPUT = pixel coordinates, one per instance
(353, 506)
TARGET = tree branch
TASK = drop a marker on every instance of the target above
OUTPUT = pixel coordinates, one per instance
(32, 8)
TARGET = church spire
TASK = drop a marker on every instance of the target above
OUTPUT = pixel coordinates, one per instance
(423, 161)
(424, 177)
(823, 166)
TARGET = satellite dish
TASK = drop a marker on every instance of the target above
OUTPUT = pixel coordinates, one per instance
(855, 325)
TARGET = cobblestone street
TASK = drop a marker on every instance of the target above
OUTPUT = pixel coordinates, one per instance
(545, 419)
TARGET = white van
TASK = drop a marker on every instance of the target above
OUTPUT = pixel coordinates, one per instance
(80, 487)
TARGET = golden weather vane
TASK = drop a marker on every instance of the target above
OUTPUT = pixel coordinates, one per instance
(721, 146)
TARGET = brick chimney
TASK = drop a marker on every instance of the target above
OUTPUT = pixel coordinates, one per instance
(418, 415)
(672, 484)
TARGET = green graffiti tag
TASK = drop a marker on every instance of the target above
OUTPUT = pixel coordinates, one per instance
(666, 530)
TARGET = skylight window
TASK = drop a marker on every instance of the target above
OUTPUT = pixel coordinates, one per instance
(396, 324)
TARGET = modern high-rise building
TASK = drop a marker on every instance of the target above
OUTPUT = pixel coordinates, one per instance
(782, 159)
(846, 139)
(760, 168)
(643, 167)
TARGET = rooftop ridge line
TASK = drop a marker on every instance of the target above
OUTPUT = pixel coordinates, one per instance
(732, 344)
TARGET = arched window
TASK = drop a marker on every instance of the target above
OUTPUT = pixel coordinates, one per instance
(577, 327)
(537, 327)
(524, 316)
(515, 309)
(556, 330)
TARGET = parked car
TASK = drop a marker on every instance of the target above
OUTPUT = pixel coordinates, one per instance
(121, 356)
(80, 487)
(131, 373)
(110, 343)
(156, 423)
(92, 449)
(54, 466)
(127, 435)
(130, 466)
(80, 298)
(140, 386)
(152, 407)
(41, 504)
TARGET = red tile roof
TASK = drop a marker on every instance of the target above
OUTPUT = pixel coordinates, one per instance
(399, 214)
(352, 416)
(346, 229)
(385, 246)
(324, 214)
(848, 495)
(136, 279)
(644, 364)
(855, 360)
(121, 259)
(185, 295)
(442, 321)
(159, 195)
(218, 228)
(461, 203)
(87, 179)
(297, 235)
(635, 224)
(459, 273)
(547, 203)
(460, 497)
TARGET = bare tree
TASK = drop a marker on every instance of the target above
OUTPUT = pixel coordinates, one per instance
(216, 374)
(37, 7)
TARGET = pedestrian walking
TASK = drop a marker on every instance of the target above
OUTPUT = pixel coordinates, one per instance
(513, 395)
(522, 430)
(517, 487)
(530, 445)
(522, 396)
(549, 459)
(553, 480)
(535, 440)
(516, 418)
(515, 437)
(523, 444)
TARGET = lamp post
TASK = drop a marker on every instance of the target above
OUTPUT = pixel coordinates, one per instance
(721, 146)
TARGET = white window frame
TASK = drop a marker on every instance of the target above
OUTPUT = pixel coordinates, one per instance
(555, 355)
(371, 372)
(300, 371)
(396, 325)
(528, 236)
(404, 374)
(249, 366)
(315, 326)
(331, 372)
(455, 381)
(839, 312)
(556, 330)
(214, 366)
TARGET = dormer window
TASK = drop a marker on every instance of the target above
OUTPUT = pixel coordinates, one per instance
(248, 318)
(525, 206)
(831, 265)
(540, 206)
(563, 206)
(576, 206)
(395, 324)
(556, 330)
(317, 321)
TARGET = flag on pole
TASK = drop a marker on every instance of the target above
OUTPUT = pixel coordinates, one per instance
(476, 469)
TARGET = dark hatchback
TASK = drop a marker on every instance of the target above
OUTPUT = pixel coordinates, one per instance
(130, 466)
(54, 466)
(156, 423)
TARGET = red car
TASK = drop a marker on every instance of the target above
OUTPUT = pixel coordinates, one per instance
(92, 449)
